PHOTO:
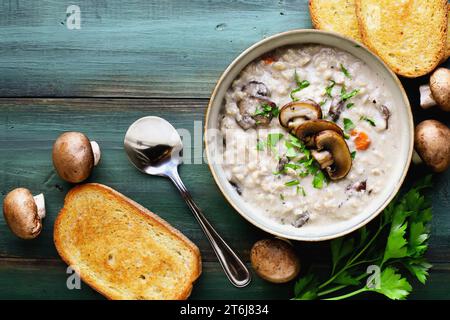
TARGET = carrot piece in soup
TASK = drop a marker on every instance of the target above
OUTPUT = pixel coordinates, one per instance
(362, 140)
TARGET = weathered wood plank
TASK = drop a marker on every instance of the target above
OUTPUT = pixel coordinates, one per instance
(46, 279)
(136, 48)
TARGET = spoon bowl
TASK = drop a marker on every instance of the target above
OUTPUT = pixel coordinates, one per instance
(153, 146)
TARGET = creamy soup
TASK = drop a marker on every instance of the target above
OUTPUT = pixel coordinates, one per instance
(299, 180)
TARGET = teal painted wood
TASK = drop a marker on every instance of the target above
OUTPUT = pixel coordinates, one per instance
(152, 49)
(28, 128)
(136, 48)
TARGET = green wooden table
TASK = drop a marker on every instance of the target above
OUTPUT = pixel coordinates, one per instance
(131, 59)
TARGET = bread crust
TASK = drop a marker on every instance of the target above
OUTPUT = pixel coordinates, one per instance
(147, 214)
(349, 29)
(406, 73)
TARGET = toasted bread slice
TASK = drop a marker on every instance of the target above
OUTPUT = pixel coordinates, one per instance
(123, 250)
(335, 15)
(410, 36)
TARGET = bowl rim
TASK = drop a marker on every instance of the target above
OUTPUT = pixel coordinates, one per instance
(395, 189)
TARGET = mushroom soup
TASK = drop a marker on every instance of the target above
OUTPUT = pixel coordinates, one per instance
(309, 135)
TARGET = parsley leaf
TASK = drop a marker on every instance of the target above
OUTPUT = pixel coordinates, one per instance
(418, 268)
(346, 279)
(301, 84)
(348, 125)
(348, 95)
(353, 155)
(340, 249)
(306, 288)
(267, 111)
(273, 138)
(370, 121)
(350, 105)
(345, 72)
(393, 285)
(292, 183)
(329, 88)
(319, 179)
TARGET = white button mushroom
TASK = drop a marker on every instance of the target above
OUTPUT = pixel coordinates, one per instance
(431, 141)
(438, 91)
(24, 213)
(275, 260)
(74, 156)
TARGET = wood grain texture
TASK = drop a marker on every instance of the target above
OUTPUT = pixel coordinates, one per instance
(129, 60)
(136, 48)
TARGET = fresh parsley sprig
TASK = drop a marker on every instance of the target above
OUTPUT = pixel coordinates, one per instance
(396, 246)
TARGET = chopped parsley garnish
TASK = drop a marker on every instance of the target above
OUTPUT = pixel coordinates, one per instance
(353, 154)
(301, 190)
(329, 89)
(370, 121)
(301, 161)
(350, 105)
(348, 95)
(322, 103)
(292, 183)
(292, 166)
(260, 145)
(281, 196)
(318, 179)
(291, 152)
(346, 136)
(345, 72)
(273, 138)
(267, 111)
(348, 125)
(301, 84)
(293, 140)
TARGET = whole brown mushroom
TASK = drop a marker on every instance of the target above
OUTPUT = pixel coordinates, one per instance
(74, 156)
(275, 260)
(24, 213)
(438, 91)
(432, 143)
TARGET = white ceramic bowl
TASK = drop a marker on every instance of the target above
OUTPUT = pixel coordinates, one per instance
(296, 37)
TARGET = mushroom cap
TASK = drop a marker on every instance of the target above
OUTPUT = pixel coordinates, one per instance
(73, 157)
(432, 143)
(21, 214)
(312, 127)
(440, 88)
(256, 89)
(333, 142)
(275, 260)
(305, 110)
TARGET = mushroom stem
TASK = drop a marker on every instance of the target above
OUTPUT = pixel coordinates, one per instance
(40, 204)
(416, 159)
(426, 97)
(96, 151)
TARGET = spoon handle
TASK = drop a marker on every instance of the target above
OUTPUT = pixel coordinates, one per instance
(233, 266)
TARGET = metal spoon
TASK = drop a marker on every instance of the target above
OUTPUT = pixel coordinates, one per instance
(154, 146)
